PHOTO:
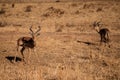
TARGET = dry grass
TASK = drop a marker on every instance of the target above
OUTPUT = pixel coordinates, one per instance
(68, 47)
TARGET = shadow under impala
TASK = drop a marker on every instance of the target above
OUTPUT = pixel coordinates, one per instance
(11, 58)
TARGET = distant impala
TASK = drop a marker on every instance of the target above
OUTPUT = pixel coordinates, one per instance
(27, 42)
(103, 32)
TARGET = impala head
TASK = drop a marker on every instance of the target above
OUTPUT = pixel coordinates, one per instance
(97, 26)
(36, 33)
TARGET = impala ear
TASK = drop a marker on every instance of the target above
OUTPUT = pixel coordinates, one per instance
(37, 34)
(98, 23)
(94, 23)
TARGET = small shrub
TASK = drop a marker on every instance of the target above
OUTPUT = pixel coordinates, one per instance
(3, 5)
(99, 9)
(3, 24)
(85, 6)
(57, 1)
(2, 11)
(51, 11)
(58, 27)
(28, 8)
(13, 5)
(88, 6)
(77, 12)
(70, 25)
(74, 4)
(46, 15)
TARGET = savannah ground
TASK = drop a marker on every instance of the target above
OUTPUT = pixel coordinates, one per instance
(68, 46)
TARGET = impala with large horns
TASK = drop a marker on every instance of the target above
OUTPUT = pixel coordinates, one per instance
(103, 32)
(27, 42)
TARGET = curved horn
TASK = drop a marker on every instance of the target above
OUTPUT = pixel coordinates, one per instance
(39, 28)
(31, 29)
(32, 33)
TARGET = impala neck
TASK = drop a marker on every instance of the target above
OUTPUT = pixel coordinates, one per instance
(33, 36)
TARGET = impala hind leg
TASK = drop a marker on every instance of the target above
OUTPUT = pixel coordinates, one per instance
(101, 39)
(36, 54)
(108, 44)
(15, 57)
(16, 54)
(22, 50)
(108, 40)
(29, 55)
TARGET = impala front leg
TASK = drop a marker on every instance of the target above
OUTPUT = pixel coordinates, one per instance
(22, 50)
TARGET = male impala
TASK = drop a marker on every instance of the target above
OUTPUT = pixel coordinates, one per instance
(27, 42)
(103, 32)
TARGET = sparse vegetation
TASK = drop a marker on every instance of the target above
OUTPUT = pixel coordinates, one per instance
(3, 23)
(74, 4)
(59, 27)
(88, 6)
(2, 11)
(57, 1)
(99, 9)
(13, 5)
(68, 46)
(28, 8)
(51, 12)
